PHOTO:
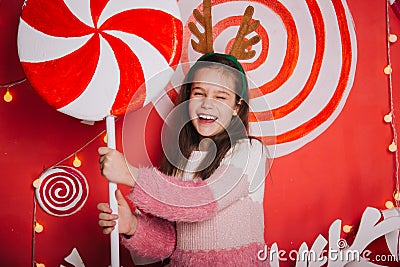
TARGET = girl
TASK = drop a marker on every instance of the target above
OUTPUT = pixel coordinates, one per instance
(204, 205)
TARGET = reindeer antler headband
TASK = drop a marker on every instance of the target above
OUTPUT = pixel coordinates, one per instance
(240, 45)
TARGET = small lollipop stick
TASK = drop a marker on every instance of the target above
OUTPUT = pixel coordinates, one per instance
(112, 187)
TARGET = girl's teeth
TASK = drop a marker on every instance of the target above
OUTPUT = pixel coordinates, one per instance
(207, 117)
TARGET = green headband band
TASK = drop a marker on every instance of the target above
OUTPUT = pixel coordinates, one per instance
(230, 58)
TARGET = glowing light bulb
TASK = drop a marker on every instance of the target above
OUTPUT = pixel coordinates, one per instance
(392, 38)
(393, 147)
(77, 162)
(105, 138)
(36, 183)
(40, 265)
(347, 228)
(7, 96)
(38, 228)
(396, 196)
(388, 118)
(389, 204)
(387, 70)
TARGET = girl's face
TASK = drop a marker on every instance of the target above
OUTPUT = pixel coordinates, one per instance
(212, 101)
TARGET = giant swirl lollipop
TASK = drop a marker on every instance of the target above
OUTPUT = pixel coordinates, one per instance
(88, 59)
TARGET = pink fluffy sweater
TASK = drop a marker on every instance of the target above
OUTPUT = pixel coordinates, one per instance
(216, 222)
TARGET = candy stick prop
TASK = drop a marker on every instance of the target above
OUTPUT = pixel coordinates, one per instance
(98, 59)
(112, 187)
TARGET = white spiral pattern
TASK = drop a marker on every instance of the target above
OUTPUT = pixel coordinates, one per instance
(303, 70)
(63, 191)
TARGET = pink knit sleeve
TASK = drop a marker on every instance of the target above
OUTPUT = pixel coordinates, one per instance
(167, 197)
(154, 238)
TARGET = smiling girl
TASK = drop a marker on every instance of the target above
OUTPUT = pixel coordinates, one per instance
(204, 205)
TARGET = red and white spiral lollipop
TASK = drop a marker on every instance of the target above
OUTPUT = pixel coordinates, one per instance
(62, 191)
(88, 59)
(304, 66)
(97, 59)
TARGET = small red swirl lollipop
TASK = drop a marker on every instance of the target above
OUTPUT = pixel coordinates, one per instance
(62, 191)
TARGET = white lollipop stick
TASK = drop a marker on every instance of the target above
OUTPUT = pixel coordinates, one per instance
(112, 187)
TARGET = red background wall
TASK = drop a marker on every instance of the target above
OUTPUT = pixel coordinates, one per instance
(337, 175)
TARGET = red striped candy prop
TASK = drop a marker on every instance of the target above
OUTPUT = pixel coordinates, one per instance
(303, 69)
(97, 59)
(63, 191)
(88, 59)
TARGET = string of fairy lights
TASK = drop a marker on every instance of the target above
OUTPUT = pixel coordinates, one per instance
(390, 117)
(8, 97)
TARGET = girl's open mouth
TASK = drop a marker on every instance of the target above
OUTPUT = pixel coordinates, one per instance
(206, 118)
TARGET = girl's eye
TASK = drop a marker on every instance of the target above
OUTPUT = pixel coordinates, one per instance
(198, 94)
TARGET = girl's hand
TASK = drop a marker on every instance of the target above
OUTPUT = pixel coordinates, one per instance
(115, 168)
(127, 221)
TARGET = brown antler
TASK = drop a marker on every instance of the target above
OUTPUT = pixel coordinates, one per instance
(205, 43)
(239, 47)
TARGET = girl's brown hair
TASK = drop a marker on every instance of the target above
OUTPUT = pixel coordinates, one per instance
(173, 161)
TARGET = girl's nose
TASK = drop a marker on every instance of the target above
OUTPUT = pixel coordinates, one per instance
(207, 103)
